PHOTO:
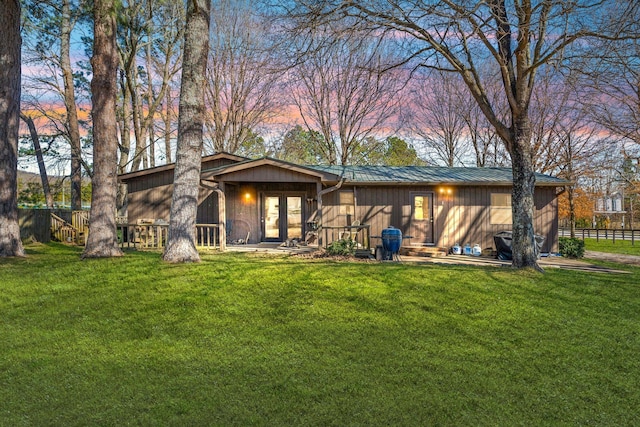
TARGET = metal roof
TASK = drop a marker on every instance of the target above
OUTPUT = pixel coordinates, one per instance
(431, 175)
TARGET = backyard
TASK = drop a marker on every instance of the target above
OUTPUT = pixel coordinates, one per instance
(246, 339)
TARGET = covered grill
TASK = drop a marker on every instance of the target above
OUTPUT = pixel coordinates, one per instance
(503, 245)
(391, 242)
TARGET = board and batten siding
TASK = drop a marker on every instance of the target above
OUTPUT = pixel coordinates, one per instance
(269, 173)
(462, 217)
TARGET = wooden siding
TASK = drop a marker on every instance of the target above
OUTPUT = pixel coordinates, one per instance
(216, 163)
(269, 173)
(243, 213)
(151, 203)
(462, 217)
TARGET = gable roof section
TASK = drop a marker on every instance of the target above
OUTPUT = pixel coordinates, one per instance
(170, 166)
(323, 176)
(438, 175)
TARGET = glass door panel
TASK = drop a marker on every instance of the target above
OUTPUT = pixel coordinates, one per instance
(294, 217)
(272, 217)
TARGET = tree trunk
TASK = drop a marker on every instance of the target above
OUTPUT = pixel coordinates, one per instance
(102, 240)
(10, 75)
(70, 105)
(167, 126)
(523, 205)
(184, 204)
(48, 197)
(125, 143)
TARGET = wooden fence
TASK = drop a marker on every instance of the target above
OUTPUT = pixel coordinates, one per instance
(612, 234)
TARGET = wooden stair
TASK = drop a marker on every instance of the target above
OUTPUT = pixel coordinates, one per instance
(75, 233)
(423, 251)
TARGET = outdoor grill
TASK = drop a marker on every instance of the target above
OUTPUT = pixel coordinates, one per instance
(391, 242)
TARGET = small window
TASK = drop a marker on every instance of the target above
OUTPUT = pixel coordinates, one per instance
(501, 209)
(420, 211)
(347, 204)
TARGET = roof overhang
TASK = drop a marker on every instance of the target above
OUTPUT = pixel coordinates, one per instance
(220, 172)
(130, 175)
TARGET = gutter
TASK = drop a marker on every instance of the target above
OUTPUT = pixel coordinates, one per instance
(319, 196)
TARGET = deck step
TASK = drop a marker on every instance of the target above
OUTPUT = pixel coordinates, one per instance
(423, 251)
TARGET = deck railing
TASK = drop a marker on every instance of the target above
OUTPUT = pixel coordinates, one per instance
(154, 236)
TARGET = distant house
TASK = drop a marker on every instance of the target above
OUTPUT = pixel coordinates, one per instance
(270, 200)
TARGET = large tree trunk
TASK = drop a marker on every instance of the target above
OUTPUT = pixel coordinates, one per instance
(48, 197)
(523, 205)
(70, 105)
(10, 75)
(102, 240)
(184, 203)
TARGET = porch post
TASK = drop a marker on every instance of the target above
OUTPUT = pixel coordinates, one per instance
(319, 213)
(222, 215)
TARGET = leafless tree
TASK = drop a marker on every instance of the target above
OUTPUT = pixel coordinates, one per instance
(50, 27)
(611, 76)
(35, 138)
(519, 37)
(343, 89)
(184, 202)
(150, 52)
(435, 117)
(102, 241)
(10, 243)
(243, 73)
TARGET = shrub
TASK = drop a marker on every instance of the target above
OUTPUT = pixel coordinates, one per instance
(344, 247)
(571, 247)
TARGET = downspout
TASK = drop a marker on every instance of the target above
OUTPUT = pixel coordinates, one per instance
(322, 193)
(222, 211)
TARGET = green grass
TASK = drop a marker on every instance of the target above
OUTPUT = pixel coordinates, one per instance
(607, 245)
(242, 339)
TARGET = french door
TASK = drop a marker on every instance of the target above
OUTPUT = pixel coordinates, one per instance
(281, 217)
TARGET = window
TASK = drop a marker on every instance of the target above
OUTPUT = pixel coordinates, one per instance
(420, 210)
(501, 209)
(347, 204)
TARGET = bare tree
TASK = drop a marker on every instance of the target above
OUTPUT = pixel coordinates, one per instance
(184, 202)
(50, 25)
(102, 240)
(611, 75)
(343, 90)
(242, 73)
(35, 138)
(436, 117)
(10, 243)
(519, 37)
(149, 45)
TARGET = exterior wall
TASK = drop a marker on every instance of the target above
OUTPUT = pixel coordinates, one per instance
(461, 217)
(151, 203)
(244, 202)
(268, 173)
(149, 196)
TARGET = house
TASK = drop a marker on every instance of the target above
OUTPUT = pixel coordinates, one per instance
(270, 200)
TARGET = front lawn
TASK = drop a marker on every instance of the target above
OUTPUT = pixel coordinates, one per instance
(242, 339)
(607, 245)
